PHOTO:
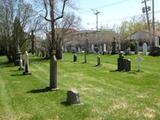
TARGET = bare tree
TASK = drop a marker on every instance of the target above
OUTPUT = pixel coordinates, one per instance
(51, 16)
(15, 17)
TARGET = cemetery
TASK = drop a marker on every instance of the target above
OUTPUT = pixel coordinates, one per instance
(103, 92)
(54, 67)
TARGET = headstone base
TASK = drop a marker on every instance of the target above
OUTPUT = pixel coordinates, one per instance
(20, 68)
(52, 89)
(27, 73)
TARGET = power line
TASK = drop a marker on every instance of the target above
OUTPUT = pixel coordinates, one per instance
(112, 4)
(108, 5)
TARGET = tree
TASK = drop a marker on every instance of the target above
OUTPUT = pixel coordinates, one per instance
(14, 16)
(50, 7)
(63, 28)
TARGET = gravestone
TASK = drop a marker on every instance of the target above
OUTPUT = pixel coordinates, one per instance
(100, 49)
(18, 54)
(92, 47)
(53, 71)
(145, 47)
(74, 57)
(113, 46)
(139, 59)
(123, 64)
(104, 48)
(26, 64)
(73, 97)
(98, 61)
(21, 67)
(85, 57)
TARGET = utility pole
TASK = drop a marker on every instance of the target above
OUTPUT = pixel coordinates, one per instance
(146, 9)
(96, 12)
(153, 22)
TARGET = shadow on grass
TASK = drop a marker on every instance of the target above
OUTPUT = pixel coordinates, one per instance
(43, 90)
(37, 60)
(65, 104)
(6, 64)
(129, 72)
(16, 75)
(113, 71)
(134, 72)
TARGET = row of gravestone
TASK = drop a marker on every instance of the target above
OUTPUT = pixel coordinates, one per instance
(43, 54)
(85, 59)
(122, 63)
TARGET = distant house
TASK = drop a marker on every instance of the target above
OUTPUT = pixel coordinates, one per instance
(142, 37)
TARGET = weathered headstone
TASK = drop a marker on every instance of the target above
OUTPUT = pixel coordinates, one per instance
(100, 49)
(98, 61)
(18, 54)
(104, 47)
(53, 72)
(21, 67)
(123, 64)
(114, 46)
(85, 57)
(136, 47)
(26, 65)
(145, 48)
(139, 59)
(73, 97)
(74, 57)
(92, 47)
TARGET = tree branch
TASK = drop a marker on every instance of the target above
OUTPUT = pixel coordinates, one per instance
(62, 14)
(45, 6)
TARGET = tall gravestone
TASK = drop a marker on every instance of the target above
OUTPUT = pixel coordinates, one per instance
(145, 48)
(98, 61)
(139, 59)
(74, 57)
(104, 47)
(53, 71)
(21, 67)
(33, 41)
(18, 54)
(85, 57)
(92, 48)
(136, 47)
(114, 46)
(26, 64)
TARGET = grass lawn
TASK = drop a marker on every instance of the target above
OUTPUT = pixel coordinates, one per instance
(105, 93)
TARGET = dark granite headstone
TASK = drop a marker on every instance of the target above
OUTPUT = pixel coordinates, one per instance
(123, 64)
(74, 57)
(73, 97)
(98, 61)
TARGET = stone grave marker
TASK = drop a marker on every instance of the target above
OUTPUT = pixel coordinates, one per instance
(73, 97)
(98, 61)
(123, 64)
(26, 64)
(145, 48)
(74, 57)
(139, 59)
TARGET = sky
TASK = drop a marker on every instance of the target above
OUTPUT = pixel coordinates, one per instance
(113, 12)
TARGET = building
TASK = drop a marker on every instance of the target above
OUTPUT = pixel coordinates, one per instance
(90, 41)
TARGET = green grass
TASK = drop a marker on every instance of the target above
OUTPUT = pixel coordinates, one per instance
(105, 93)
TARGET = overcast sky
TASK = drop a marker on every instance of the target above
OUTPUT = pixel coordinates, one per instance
(112, 11)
